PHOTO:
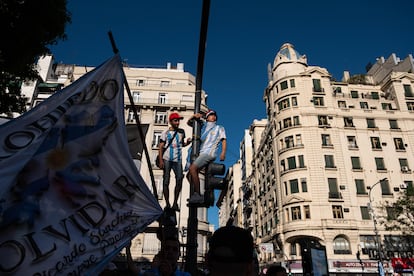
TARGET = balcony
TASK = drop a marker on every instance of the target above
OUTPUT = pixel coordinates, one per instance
(157, 103)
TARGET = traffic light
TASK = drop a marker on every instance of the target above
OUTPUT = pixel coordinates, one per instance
(214, 180)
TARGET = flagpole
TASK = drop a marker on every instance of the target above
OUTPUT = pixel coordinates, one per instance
(138, 122)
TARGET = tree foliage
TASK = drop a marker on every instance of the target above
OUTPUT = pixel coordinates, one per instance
(400, 213)
(27, 28)
(358, 79)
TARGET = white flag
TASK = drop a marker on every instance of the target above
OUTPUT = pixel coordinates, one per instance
(70, 194)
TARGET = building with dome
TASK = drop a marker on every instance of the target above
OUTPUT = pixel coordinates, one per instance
(331, 153)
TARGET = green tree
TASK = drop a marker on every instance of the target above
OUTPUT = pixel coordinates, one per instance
(27, 28)
(400, 213)
(358, 79)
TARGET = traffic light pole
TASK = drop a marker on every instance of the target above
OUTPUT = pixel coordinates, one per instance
(192, 223)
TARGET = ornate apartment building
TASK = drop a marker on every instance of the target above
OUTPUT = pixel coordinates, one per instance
(156, 92)
(329, 154)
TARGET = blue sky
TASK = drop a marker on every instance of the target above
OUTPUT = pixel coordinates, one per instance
(243, 38)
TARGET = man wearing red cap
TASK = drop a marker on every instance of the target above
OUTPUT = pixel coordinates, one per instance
(170, 157)
(212, 135)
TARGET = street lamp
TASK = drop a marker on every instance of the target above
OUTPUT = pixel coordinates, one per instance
(374, 218)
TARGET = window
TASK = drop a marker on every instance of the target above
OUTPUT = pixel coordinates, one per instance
(284, 85)
(337, 212)
(276, 219)
(375, 143)
(371, 123)
(156, 138)
(140, 82)
(130, 117)
(318, 101)
(161, 118)
(136, 96)
(379, 162)
(341, 245)
(386, 106)
(399, 145)
(291, 163)
(410, 187)
(354, 94)
(293, 249)
(306, 211)
(287, 122)
(162, 98)
(375, 95)
(304, 185)
(283, 104)
(317, 85)
(348, 122)
(365, 213)
(342, 104)
(151, 242)
(410, 106)
(408, 92)
(392, 213)
(289, 142)
(294, 186)
(298, 140)
(323, 120)
(296, 121)
(301, 161)
(333, 188)
(294, 101)
(393, 124)
(360, 187)
(385, 187)
(164, 83)
(367, 243)
(363, 105)
(292, 83)
(296, 213)
(329, 161)
(337, 89)
(352, 143)
(404, 165)
(356, 163)
(326, 140)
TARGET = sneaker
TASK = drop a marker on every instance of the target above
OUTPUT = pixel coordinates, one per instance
(175, 207)
(196, 198)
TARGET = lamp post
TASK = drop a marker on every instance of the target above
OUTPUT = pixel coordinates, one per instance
(374, 219)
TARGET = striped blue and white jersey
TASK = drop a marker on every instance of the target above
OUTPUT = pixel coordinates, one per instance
(211, 136)
(174, 151)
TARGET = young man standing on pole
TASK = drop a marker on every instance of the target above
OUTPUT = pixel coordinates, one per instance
(170, 157)
(212, 135)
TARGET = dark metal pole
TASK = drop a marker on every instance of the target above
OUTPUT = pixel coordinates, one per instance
(191, 254)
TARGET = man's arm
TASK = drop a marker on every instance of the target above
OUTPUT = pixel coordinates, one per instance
(196, 116)
(223, 149)
(160, 153)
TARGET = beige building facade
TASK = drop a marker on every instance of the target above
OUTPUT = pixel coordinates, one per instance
(328, 156)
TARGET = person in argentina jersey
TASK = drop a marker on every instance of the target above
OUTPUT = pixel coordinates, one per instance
(172, 141)
(212, 135)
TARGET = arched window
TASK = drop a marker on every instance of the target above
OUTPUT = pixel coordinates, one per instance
(341, 245)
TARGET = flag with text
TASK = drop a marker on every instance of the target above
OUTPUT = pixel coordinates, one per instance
(70, 194)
